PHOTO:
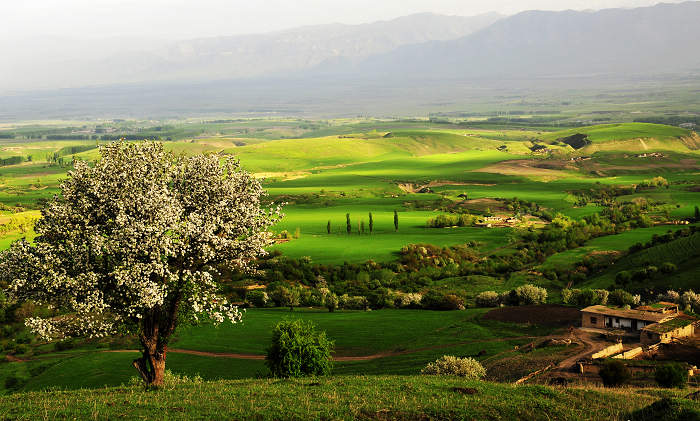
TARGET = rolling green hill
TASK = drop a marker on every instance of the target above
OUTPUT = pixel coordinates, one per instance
(683, 252)
(358, 397)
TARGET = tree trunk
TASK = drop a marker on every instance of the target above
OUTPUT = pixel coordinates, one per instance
(151, 366)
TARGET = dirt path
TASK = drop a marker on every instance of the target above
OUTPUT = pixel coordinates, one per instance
(644, 145)
(239, 356)
(589, 346)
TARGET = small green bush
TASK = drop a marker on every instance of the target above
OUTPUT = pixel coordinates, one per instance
(299, 350)
(530, 294)
(671, 375)
(668, 267)
(448, 365)
(257, 298)
(488, 299)
(614, 373)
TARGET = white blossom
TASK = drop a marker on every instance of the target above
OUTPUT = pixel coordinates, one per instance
(136, 235)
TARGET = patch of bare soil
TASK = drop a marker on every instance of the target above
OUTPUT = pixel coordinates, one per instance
(545, 315)
(692, 141)
(284, 176)
(527, 167)
(418, 188)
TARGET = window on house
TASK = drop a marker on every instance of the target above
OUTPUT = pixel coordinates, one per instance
(594, 320)
(617, 320)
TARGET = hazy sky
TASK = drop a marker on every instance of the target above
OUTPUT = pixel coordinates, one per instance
(183, 19)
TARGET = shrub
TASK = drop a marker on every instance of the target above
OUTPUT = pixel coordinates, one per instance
(668, 267)
(331, 302)
(671, 375)
(298, 350)
(452, 366)
(435, 300)
(621, 298)
(488, 299)
(690, 301)
(623, 278)
(530, 294)
(670, 296)
(406, 300)
(257, 298)
(614, 373)
(349, 302)
(584, 297)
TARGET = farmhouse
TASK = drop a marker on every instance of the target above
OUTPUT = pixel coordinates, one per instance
(661, 322)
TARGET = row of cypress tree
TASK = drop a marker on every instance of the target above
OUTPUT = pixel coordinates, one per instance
(361, 224)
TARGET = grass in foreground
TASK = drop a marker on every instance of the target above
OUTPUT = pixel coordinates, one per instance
(359, 397)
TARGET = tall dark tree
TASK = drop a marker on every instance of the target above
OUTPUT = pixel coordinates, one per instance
(348, 223)
(697, 214)
(371, 223)
(328, 227)
(396, 221)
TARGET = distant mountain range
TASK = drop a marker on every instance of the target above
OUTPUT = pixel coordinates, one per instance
(244, 56)
(642, 41)
(416, 60)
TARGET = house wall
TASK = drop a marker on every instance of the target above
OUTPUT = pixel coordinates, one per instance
(647, 337)
(606, 352)
(592, 320)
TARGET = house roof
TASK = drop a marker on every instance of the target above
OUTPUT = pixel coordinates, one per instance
(627, 314)
(671, 325)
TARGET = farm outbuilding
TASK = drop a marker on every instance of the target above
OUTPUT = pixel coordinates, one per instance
(681, 326)
(661, 322)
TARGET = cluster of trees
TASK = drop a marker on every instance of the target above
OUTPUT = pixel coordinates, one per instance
(590, 297)
(673, 120)
(445, 221)
(604, 195)
(516, 205)
(520, 296)
(69, 137)
(653, 183)
(688, 300)
(643, 274)
(13, 160)
(110, 137)
(72, 150)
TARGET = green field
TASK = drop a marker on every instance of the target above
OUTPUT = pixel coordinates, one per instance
(398, 341)
(421, 170)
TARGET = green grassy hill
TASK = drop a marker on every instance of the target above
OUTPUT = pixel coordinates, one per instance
(628, 137)
(683, 252)
(384, 398)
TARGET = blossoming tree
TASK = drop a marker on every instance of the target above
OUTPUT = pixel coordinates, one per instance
(133, 243)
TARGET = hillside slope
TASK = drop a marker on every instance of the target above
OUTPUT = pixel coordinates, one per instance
(406, 398)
